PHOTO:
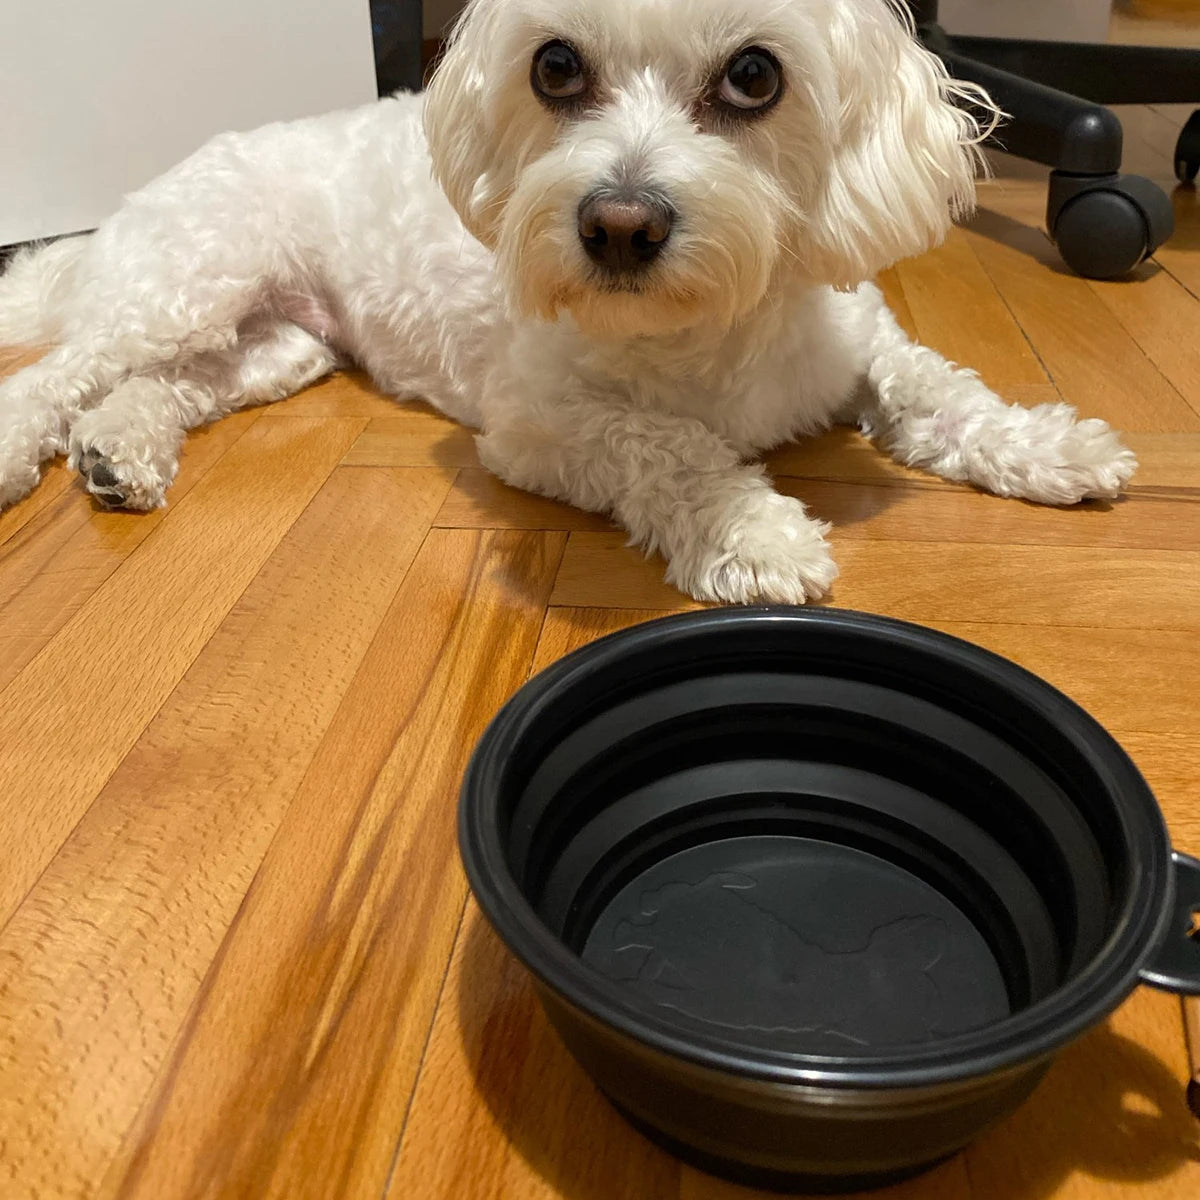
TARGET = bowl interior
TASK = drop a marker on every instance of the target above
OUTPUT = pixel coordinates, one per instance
(813, 840)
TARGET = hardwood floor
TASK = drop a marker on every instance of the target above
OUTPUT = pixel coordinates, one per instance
(237, 957)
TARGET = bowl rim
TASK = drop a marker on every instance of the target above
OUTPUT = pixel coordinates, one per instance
(1034, 1033)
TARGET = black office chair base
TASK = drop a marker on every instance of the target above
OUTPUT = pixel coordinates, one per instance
(1187, 151)
(1103, 222)
(1106, 225)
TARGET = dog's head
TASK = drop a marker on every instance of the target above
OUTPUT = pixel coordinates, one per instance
(648, 165)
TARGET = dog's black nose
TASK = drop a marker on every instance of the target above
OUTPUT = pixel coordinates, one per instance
(624, 234)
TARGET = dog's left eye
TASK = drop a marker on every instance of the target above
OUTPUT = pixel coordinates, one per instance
(752, 80)
(558, 72)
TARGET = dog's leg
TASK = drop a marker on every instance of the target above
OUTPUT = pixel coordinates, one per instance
(127, 447)
(928, 413)
(677, 488)
(39, 404)
(143, 297)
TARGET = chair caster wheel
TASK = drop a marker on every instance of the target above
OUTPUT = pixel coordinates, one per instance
(1187, 151)
(1104, 226)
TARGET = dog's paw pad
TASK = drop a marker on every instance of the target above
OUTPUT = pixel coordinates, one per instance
(115, 485)
(102, 476)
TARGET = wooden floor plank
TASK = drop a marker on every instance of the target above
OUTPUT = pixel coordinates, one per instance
(56, 479)
(1170, 761)
(109, 948)
(599, 570)
(568, 629)
(343, 394)
(893, 292)
(296, 1069)
(1149, 143)
(922, 581)
(1181, 255)
(1165, 460)
(1090, 357)
(501, 1110)
(1128, 679)
(51, 568)
(413, 437)
(1163, 317)
(69, 718)
(1108, 1123)
(1166, 520)
(479, 500)
(1107, 588)
(958, 312)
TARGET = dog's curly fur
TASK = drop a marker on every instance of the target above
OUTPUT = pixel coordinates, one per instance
(267, 258)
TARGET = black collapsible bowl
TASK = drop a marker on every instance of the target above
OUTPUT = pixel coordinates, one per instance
(814, 896)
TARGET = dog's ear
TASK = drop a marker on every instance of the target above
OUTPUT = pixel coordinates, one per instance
(462, 118)
(903, 153)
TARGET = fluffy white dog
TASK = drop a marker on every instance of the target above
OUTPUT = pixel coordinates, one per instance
(640, 258)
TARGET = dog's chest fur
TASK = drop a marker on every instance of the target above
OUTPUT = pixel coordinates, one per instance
(786, 373)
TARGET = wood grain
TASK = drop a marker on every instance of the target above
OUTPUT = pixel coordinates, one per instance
(924, 581)
(56, 479)
(893, 292)
(1165, 460)
(501, 1109)
(934, 512)
(342, 394)
(1163, 318)
(957, 310)
(1088, 354)
(73, 537)
(294, 1074)
(413, 437)
(69, 718)
(1170, 761)
(159, 865)
(479, 500)
(1181, 255)
(1109, 1121)
(568, 629)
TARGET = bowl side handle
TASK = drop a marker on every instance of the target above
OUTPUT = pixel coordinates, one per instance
(1175, 965)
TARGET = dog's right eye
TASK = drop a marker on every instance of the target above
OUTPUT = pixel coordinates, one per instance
(752, 82)
(558, 72)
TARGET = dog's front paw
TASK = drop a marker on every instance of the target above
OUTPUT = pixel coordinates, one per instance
(1052, 458)
(770, 552)
(118, 482)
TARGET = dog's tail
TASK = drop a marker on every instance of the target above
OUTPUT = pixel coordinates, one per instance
(34, 290)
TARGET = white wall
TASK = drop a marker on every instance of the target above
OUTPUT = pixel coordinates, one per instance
(99, 96)
(1068, 20)
(1052, 20)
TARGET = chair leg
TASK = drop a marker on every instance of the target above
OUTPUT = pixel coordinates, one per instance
(396, 26)
(1047, 126)
(1102, 73)
(1103, 223)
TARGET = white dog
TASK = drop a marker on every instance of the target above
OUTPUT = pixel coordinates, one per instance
(646, 262)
